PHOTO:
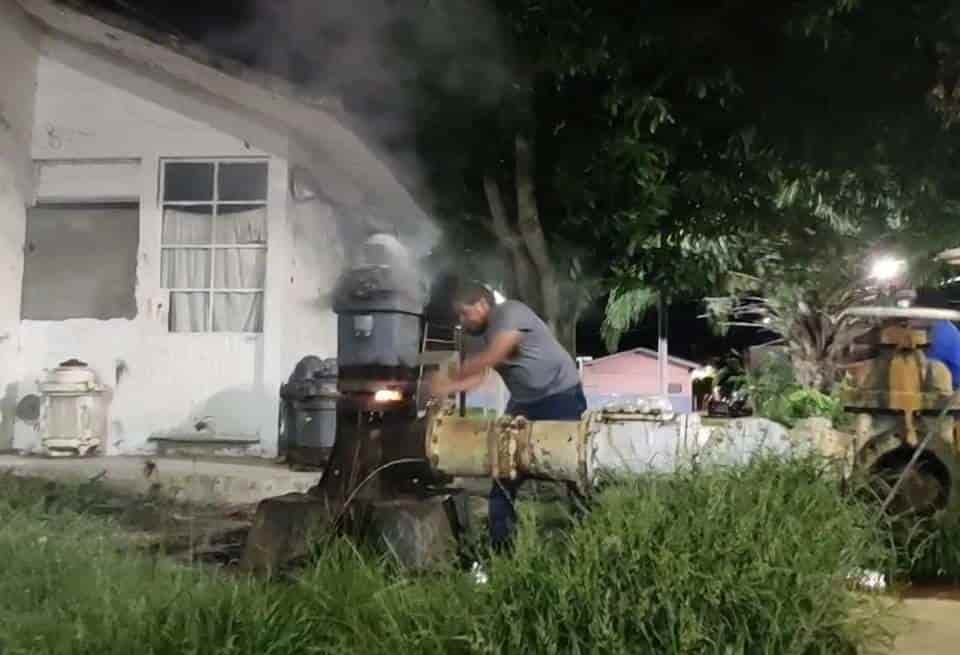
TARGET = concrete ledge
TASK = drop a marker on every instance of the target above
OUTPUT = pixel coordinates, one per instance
(215, 440)
(199, 445)
(184, 480)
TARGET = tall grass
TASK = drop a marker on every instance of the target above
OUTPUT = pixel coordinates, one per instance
(930, 550)
(745, 560)
(748, 560)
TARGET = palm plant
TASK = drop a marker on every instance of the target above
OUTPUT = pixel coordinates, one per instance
(807, 318)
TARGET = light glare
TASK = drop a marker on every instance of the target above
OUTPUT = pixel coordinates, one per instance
(887, 268)
(387, 396)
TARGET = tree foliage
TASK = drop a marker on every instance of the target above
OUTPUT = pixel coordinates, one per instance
(584, 147)
(807, 318)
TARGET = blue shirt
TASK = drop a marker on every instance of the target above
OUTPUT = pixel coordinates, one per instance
(945, 347)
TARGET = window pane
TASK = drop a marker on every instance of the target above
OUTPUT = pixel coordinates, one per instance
(188, 312)
(80, 261)
(239, 268)
(240, 224)
(182, 225)
(243, 181)
(238, 312)
(187, 268)
(184, 181)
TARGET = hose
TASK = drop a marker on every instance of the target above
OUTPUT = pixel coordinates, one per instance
(371, 476)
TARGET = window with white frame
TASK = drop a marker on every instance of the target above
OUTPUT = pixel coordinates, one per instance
(214, 243)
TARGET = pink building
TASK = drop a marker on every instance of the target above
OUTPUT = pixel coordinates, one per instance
(624, 376)
(633, 373)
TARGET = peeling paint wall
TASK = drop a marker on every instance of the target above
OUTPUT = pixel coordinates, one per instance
(165, 383)
(315, 259)
(18, 64)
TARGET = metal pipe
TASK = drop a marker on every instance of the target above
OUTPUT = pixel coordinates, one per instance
(567, 451)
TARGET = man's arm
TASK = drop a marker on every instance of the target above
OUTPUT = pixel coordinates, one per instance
(499, 351)
(444, 386)
(474, 370)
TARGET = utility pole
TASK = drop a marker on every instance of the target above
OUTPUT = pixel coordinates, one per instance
(663, 354)
(462, 396)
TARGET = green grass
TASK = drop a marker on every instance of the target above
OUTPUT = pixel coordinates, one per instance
(748, 560)
(930, 551)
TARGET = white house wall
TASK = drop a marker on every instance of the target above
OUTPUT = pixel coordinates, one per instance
(18, 64)
(81, 116)
(164, 383)
(315, 260)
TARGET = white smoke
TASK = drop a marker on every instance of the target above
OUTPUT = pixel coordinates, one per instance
(370, 53)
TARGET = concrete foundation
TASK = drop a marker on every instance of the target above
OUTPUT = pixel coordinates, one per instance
(184, 480)
(284, 530)
(417, 534)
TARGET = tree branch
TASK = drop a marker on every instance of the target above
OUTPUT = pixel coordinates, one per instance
(528, 221)
(507, 236)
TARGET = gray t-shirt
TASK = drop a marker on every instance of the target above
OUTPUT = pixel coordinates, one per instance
(540, 367)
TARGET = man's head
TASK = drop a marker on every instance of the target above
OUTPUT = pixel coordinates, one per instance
(473, 303)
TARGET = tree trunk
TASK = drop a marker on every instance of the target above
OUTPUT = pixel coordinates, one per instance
(508, 238)
(813, 373)
(566, 332)
(528, 220)
(526, 245)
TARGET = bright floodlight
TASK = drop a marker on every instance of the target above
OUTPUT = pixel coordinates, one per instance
(703, 373)
(887, 268)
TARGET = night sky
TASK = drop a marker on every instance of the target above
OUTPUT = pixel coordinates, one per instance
(256, 33)
(689, 336)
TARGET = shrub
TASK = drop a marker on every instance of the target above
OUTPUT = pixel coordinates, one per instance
(776, 394)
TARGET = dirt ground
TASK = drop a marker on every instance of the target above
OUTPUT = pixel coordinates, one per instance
(931, 624)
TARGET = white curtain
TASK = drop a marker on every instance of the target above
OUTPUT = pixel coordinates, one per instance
(241, 268)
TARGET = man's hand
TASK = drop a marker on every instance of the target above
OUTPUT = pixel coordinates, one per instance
(441, 386)
(472, 372)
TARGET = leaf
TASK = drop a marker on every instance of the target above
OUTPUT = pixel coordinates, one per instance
(625, 307)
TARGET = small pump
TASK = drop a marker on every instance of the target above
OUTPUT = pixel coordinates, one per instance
(73, 417)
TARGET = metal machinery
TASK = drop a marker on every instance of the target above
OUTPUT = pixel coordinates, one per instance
(389, 478)
(377, 477)
(73, 417)
(308, 413)
(903, 399)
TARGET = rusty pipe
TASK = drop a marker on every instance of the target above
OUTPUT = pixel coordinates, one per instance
(609, 440)
(507, 448)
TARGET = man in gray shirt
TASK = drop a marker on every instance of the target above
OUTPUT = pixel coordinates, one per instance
(539, 373)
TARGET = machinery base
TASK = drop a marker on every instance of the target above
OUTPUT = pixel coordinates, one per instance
(283, 531)
(418, 534)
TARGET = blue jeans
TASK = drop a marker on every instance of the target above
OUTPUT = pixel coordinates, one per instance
(564, 406)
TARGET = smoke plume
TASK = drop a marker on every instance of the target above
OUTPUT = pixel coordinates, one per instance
(374, 56)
